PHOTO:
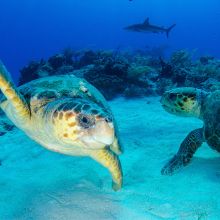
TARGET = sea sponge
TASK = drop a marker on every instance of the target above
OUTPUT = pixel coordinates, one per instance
(135, 71)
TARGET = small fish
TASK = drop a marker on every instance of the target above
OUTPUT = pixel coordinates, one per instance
(146, 27)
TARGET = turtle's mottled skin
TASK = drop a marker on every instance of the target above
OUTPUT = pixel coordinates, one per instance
(67, 115)
(197, 103)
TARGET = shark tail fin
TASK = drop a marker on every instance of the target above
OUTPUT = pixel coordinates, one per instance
(169, 29)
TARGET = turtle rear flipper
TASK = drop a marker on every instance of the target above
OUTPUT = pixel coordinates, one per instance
(183, 157)
(8, 88)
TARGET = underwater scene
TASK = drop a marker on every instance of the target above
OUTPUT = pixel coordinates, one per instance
(109, 110)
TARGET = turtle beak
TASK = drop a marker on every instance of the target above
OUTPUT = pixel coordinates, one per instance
(103, 132)
(162, 101)
(165, 101)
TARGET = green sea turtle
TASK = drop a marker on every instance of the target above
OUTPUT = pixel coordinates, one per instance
(193, 102)
(67, 115)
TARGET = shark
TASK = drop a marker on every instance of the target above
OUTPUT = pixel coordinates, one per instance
(146, 27)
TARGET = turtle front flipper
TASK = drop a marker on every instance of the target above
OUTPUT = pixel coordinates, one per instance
(8, 88)
(116, 147)
(183, 157)
(111, 161)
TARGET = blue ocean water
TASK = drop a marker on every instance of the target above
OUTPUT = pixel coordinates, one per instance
(32, 29)
(38, 184)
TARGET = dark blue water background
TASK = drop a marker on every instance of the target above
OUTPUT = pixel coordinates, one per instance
(32, 29)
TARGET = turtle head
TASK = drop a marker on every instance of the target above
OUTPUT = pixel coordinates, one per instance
(83, 124)
(184, 101)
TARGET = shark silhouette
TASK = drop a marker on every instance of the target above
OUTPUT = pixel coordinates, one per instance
(146, 27)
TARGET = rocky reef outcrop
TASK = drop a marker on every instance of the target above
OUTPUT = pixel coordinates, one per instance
(129, 74)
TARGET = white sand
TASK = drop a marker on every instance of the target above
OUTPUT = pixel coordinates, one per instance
(41, 185)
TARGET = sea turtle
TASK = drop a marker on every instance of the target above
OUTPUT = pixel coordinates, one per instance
(188, 101)
(67, 115)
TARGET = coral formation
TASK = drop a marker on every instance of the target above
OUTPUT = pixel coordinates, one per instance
(130, 74)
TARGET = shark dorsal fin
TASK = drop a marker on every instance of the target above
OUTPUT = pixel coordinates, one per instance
(146, 21)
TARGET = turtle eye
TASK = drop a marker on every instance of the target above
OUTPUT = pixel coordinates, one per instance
(86, 121)
(108, 119)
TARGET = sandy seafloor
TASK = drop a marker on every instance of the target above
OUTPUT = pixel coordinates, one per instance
(41, 185)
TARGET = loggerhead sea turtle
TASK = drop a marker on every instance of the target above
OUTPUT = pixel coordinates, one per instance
(193, 102)
(67, 115)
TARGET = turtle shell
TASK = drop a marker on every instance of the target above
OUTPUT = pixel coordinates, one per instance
(38, 93)
(211, 117)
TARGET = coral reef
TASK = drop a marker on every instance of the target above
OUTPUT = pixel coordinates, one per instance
(130, 73)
